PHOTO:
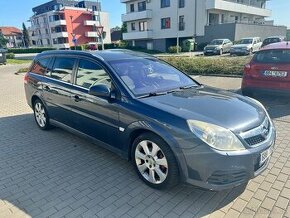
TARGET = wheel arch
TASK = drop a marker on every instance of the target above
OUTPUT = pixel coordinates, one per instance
(165, 136)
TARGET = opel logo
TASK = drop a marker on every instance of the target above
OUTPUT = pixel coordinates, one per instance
(264, 130)
(274, 68)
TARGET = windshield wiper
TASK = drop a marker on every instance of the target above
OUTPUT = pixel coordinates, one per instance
(153, 94)
(188, 87)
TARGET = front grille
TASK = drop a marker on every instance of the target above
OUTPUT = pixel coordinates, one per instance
(256, 136)
(255, 140)
(225, 177)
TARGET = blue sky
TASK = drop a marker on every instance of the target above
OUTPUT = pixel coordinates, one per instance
(14, 12)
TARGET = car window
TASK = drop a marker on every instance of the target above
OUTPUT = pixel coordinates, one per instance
(246, 41)
(146, 75)
(63, 68)
(40, 66)
(90, 73)
(273, 56)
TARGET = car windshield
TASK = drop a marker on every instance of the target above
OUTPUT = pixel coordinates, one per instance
(146, 76)
(246, 41)
(216, 42)
(271, 40)
(273, 56)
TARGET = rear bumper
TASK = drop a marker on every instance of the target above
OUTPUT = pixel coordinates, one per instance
(257, 86)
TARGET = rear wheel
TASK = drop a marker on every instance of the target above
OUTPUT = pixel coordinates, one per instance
(41, 115)
(155, 162)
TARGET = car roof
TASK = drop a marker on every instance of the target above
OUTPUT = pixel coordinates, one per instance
(273, 37)
(278, 45)
(250, 38)
(106, 55)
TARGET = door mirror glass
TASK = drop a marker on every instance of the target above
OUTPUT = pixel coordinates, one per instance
(100, 90)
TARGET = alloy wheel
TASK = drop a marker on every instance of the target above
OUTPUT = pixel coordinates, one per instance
(40, 114)
(151, 162)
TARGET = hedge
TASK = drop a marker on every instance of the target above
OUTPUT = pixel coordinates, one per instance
(209, 66)
(10, 55)
(28, 50)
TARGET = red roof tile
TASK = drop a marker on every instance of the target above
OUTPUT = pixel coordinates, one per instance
(8, 31)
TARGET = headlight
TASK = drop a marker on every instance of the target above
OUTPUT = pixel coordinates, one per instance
(215, 136)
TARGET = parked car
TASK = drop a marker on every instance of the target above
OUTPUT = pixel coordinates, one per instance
(246, 46)
(273, 39)
(172, 127)
(218, 46)
(269, 70)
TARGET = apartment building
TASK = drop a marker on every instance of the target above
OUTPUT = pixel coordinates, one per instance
(13, 35)
(65, 23)
(156, 24)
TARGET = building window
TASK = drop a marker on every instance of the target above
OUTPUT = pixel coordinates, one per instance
(142, 6)
(143, 26)
(181, 3)
(165, 23)
(133, 27)
(181, 23)
(165, 3)
(132, 8)
(96, 17)
(94, 8)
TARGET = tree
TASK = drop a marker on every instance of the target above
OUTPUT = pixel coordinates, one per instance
(25, 36)
(3, 41)
(124, 27)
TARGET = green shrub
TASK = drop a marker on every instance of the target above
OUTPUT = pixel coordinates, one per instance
(209, 66)
(28, 50)
(173, 49)
(10, 55)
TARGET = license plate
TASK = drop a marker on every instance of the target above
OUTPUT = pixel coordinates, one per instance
(275, 73)
(265, 155)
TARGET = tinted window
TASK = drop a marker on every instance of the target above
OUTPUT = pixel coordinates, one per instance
(40, 66)
(62, 69)
(246, 41)
(273, 56)
(90, 73)
(271, 40)
(144, 76)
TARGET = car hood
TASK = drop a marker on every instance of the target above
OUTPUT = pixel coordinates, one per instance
(226, 109)
(241, 46)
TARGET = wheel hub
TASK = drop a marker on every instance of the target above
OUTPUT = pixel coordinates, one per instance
(150, 162)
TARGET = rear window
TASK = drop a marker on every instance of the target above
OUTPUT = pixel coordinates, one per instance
(62, 69)
(271, 40)
(40, 66)
(273, 56)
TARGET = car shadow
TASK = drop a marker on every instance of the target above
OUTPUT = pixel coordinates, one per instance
(56, 173)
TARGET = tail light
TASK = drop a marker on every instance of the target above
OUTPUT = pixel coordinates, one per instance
(26, 78)
(247, 69)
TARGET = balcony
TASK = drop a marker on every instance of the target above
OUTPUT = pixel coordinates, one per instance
(91, 23)
(125, 1)
(92, 34)
(237, 7)
(58, 23)
(59, 35)
(138, 35)
(147, 14)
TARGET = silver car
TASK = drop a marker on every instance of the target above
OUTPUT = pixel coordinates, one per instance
(246, 46)
(218, 46)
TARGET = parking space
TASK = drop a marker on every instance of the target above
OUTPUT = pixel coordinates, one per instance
(56, 174)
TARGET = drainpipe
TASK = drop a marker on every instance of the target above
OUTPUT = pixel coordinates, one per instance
(177, 38)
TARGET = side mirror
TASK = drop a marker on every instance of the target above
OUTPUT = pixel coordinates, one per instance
(100, 90)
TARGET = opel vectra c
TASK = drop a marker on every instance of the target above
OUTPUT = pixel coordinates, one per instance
(171, 127)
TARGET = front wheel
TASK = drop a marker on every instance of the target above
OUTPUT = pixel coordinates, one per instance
(41, 115)
(155, 162)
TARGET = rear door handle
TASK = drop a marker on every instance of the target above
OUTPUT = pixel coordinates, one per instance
(46, 88)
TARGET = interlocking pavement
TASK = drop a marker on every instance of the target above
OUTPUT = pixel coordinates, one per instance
(56, 174)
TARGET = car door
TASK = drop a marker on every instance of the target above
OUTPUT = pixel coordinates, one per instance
(94, 116)
(228, 45)
(57, 89)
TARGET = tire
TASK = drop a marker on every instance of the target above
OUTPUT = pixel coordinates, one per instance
(40, 115)
(156, 165)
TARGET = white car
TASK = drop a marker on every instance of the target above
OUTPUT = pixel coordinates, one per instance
(246, 46)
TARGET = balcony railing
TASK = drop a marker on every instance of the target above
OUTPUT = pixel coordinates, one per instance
(138, 35)
(138, 15)
(58, 23)
(91, 23)
(59, 35)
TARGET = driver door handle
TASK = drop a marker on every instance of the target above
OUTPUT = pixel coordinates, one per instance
(77, 98)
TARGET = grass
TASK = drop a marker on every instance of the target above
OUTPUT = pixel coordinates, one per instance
(16, 61)
(226, 66)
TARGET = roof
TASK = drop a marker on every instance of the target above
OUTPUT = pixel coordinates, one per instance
(8, 31)
(278, 45)
(107, 55)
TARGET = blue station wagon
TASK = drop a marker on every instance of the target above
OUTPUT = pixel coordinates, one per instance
(171, 127)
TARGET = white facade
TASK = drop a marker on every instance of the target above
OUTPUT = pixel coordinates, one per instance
(189, 20)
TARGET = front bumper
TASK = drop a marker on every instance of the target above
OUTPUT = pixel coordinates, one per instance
(216, 170)
(240, 52)
(211, 52)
